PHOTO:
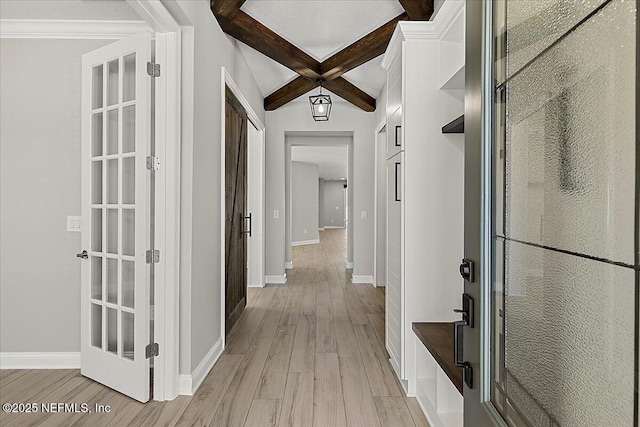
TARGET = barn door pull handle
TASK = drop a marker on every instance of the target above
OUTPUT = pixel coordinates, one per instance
(250, 225)
(83, 254)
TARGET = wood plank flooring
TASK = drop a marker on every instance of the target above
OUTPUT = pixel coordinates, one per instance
(307, 353)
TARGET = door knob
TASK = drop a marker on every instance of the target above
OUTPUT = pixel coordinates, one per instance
(83, 254)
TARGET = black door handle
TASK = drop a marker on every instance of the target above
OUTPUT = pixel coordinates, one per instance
(83, 254)
(467, 320)
(457, 353)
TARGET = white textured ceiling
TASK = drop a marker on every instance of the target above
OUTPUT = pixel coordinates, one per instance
(269, 74)
(333, 161)
(319, 28)
(103, 10)
(322, 27)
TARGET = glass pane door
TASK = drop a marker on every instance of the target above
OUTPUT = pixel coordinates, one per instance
(116, 207)
(113, 207)
(565, 226)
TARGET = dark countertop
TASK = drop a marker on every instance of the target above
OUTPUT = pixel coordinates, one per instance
(438, 339)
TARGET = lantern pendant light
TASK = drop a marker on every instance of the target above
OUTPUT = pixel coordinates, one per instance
(320, 106)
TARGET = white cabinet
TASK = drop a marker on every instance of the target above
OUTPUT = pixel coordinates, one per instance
(425, 191)
(394, 304)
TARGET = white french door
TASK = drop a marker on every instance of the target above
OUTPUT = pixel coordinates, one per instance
(115, 297)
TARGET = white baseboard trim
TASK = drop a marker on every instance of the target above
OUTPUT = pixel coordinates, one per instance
(288, 265)
(184, 387)
(320, 228)
(40, 360)
(348, 265)
(333, 227)
(276, 280)
(69, 29)
(358, 278)
(306, 242)
(189, 383)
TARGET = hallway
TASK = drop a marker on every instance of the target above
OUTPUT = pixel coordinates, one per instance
(307, 353)
(310, 352)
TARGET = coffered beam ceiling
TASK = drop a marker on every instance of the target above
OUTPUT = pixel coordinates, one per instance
(249, 31)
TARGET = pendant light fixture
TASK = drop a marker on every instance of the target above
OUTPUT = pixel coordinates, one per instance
(320, 106)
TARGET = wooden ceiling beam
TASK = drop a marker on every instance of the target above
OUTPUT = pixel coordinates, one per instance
(351, 93)
(288, 93)
(244, 28)
(226, 8)
(367, 48)
(418, 10)
(252, 33)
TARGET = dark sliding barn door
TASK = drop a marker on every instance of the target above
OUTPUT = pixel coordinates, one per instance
(236, 204)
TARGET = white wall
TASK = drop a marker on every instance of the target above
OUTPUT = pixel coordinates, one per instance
(295, 117)
(39, 187)
(255, 203)
(200, 235)
(381, 207)
(333, 203)
(304, 201)
(320, 203)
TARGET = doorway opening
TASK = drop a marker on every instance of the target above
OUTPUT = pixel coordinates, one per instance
(318, 172)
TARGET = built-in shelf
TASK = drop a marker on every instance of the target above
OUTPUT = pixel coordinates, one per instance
(438, 339)
(456, 126)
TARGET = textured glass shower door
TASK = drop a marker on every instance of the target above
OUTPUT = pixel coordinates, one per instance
(565, 230)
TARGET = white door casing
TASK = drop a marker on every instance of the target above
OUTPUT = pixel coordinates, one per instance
(115, 295)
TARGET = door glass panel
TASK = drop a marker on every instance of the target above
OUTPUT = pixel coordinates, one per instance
(112, 82)
(571, 140)
(129, 129)
(96, 277)
(96, 182)
(128, 284)
(128, 335)
(112, 280)
(533, 26)
(112, 231)
(112, 330)
(563, 297)
(569, 345)
(96, 325)
(97, 88)
(96, 134)
(96, 230)
(128, 232)
(129, 78)
(112, 132)
(128, 180)
(112, 181)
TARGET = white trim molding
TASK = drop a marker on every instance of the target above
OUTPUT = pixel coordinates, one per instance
(422, 30)
(306, 242)
(357, 278)
(40, 360)
(334, 227)
(348, 265)
(189, 384)
(276, 280)
(69, 29)
(288, 265)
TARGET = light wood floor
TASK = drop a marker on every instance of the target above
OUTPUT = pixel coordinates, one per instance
(308, 353)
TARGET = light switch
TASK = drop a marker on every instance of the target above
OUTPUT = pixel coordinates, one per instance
(363, 214)
(74, 223)
(276, 214)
